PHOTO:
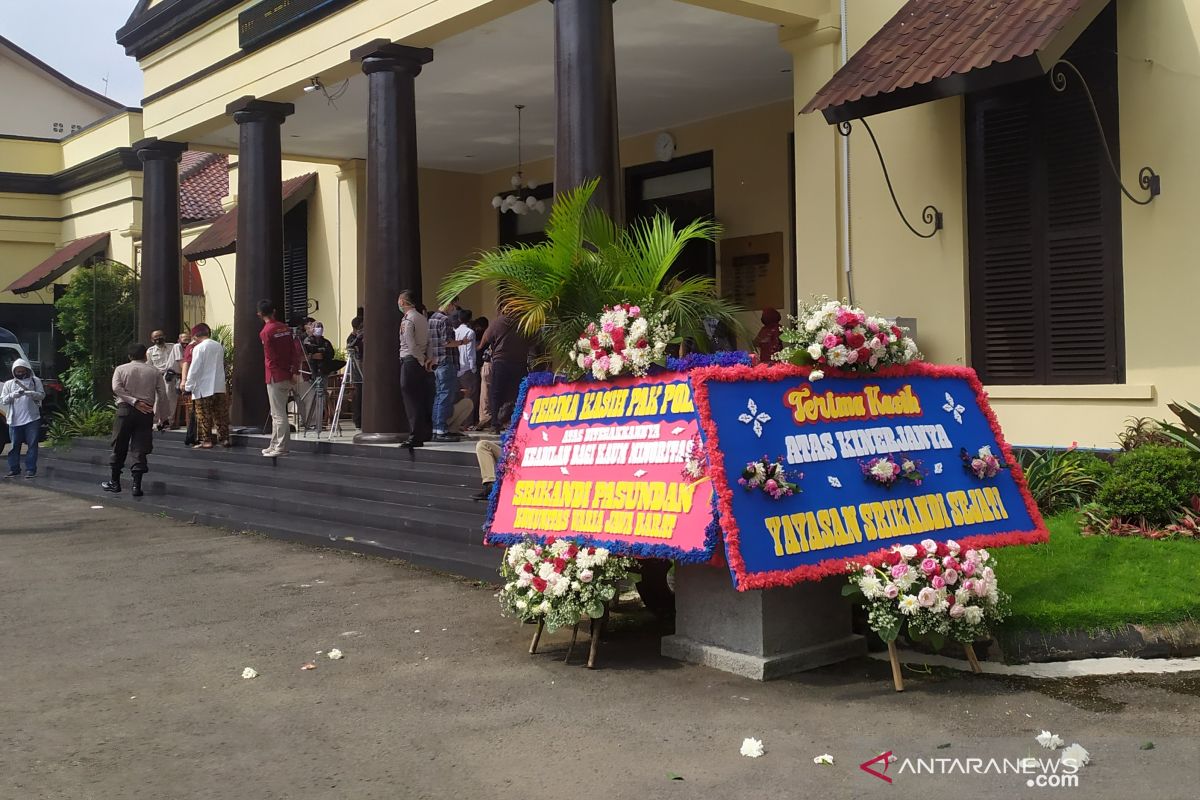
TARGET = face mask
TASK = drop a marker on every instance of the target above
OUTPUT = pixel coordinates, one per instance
(160, 341)
(21, 374)
(319, 330)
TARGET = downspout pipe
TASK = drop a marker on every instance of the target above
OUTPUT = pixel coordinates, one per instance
(844, 142)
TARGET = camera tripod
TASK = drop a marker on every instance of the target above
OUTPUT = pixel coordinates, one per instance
(352, 374)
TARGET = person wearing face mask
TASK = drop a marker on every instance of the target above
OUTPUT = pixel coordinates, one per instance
(167, 358)
(318, 366)
(21, 399)
(414, 353)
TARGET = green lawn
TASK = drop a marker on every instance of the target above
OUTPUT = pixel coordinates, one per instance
(1102, 582)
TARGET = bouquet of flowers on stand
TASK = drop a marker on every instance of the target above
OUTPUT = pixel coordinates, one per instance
(560, 582)
(828, 333)
(626, 340)
(931, 592)
(769, 477)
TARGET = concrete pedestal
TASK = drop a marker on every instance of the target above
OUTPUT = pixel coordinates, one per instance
(759, 634)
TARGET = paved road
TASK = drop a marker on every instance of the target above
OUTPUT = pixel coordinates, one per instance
(125, 635)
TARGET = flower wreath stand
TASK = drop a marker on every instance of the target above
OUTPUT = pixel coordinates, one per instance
(933, 592)
(560, 583)
(898, 677)
(596, 628)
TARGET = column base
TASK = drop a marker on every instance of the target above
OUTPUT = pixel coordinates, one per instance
(380, 438)
(759, 667)
(759, 634)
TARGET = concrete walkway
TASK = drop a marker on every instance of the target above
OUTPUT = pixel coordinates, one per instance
(125, 636)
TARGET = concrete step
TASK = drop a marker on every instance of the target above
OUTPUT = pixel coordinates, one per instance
(461, 554)
(397, 464)
(317, 504)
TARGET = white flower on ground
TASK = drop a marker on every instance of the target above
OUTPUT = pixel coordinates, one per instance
(1075, 755)
(248, 673)
(335, 654)
(1050, 741)
(909, 605)
(752, 748)
(825, 758)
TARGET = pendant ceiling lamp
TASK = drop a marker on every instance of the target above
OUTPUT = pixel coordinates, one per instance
(521, 199)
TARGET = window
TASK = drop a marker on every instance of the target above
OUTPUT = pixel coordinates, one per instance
(1044, 225)
(295, 262)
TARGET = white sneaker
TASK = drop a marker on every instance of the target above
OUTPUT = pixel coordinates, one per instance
(268, 452)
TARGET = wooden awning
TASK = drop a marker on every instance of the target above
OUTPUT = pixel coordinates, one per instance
(220, 238)
(939, 48)
(63, 261)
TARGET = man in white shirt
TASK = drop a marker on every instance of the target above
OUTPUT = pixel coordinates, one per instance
(167, 358)
(468, 375)
(206, 383)
(21, 399)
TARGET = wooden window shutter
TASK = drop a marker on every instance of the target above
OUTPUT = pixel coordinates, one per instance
(1044, 226)
(1006, 305)
(295, 262)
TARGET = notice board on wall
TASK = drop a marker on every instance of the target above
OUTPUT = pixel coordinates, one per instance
(752, 270)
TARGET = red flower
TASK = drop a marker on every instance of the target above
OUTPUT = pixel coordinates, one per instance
(942, 550)
(893, 558)
(550, 541)
(854, 340)
(642, 342)
(897, 332)
(572, 551)
(528, 567)
(864, 355)
(559, 565)
(591, 551)
(618, 337)
(539, 584)
(594, 342)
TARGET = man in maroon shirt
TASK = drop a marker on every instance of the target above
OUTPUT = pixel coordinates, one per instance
(282, 371)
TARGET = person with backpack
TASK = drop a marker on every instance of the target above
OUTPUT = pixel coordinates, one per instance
(21, 399)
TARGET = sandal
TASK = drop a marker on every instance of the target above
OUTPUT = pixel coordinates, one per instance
(206, 446)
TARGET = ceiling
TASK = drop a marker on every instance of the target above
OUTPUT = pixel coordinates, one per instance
(676, 63)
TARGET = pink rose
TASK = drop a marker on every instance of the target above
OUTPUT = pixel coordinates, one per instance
(969, 568)
(634, 311)
(588, 361)
(929, 566)
(958, 611)
(929, 546)
(873, 327)
(927, 597)
(608, 327)
(848, 319)
(899, 570)
(970, 555)
(938, 582)
(891, 591)
(988, 574)
(771, 485)
(949, 563)
(831, 340)
(951, 576)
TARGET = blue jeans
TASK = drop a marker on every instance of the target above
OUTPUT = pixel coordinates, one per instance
(27, 433)
(444, 395)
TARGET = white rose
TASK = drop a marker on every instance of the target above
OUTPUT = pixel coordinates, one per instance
(908, 552)
(816, 375)
(814, 350)
(585, 575)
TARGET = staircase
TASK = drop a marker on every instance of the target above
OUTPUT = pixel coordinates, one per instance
(369, 499)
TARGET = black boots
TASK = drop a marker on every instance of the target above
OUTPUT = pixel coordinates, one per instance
(137, 485)
(484, 493)
(113, 485)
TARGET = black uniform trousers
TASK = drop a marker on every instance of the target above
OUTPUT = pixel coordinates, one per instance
(133, 434)
(414, 388)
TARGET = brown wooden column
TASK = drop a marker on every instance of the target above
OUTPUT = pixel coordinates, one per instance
(159, 306)
(393, 248)
(259, 273)
(585, 86)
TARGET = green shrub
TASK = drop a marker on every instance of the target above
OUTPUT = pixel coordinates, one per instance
(1097, 468)
(1151, 483)
(81, 418)
(1060, 479)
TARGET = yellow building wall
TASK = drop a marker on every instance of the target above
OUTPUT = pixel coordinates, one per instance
(895, 273)
(750, 180)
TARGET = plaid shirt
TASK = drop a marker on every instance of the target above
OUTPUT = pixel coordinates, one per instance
(440, 332)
